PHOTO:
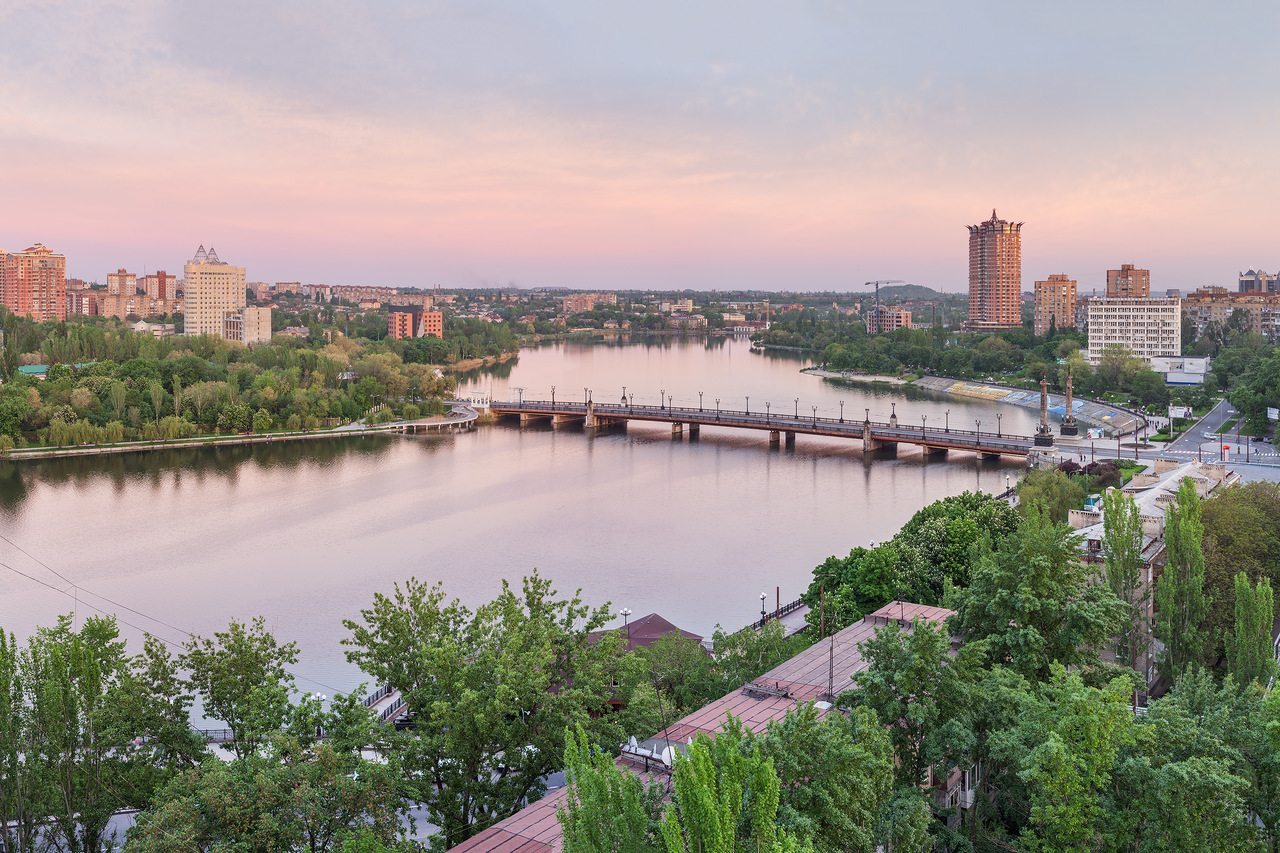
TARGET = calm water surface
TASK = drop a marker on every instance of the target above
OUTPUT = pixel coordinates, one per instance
(304, 534)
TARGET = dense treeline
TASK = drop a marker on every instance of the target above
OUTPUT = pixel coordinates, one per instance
(1033, 715)
(109, 384)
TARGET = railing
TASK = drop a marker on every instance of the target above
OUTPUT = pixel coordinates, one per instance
(776, 614)
(391, 710)
(782, 422)
(378, 695)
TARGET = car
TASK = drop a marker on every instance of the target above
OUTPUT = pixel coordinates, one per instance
(1210, 436)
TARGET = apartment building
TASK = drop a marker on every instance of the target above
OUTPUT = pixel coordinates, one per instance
(33, 283)
(1128, 283)
(995, 274)
(212, 289)
(1217, 304)
(248, 326)
(887, 318)
(1055, 304)
(1148, 327)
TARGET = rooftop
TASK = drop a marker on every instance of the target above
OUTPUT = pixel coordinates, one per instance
(806, 676)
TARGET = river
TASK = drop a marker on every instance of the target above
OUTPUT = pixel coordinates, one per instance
(305, 533)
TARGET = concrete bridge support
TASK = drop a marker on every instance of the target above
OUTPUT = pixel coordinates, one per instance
(773, 438)
(557, 420)
(694, 429)
(934, 451)
(790, 439)
(677, 430)
(870, 444)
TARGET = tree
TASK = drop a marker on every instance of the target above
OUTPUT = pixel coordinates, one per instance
(1034, 602)
(1181, 603)
(1249, 652)
(242, 680)
(606, 809)
(835, 776)
(1064, 748)
(119, 395)
(920, 693)
(1240, 535)
(261, 421)
(1124, 566)
(725, 799)
(157, 400)
(490, 691)
(1054, 490)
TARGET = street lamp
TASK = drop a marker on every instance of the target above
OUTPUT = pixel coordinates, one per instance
(815, 415)
(797, 408)
(663, 394)
(584, 395)
(978, 426)
(748, 405)
(842, 411)
(948, 420)
(625, 613)
(717, 408)
(922, 420)
(553, 395)
(767, 407)
(762, 609)
(699, 401)
(999, 417)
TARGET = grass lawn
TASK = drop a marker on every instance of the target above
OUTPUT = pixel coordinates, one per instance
(1227, 427)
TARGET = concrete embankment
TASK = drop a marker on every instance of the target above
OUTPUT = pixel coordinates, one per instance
(1087, 412)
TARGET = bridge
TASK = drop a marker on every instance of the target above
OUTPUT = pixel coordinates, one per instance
(781, 427)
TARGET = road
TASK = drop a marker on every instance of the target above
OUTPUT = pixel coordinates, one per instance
(1194, 443)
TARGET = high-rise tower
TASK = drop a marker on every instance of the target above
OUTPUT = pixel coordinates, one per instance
(995, 274)
(34, 283)
(213, 288)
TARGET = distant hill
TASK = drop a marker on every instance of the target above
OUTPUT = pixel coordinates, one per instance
(909, 291)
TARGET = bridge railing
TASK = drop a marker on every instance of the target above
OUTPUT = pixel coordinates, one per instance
(768, 419)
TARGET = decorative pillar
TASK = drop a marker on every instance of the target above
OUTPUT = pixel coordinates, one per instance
(1069, 419)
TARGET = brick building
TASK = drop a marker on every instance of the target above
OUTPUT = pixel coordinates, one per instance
(1128, 283)
(34, 283)
(995, 274)
(1055, 303)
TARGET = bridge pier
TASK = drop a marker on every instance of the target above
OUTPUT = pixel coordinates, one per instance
(930, 450)
(790, 439)
(557, 420)
(694, 429)
(773, 438)
(677, 429)
(526, 418)
(985, 455)
(870, 445)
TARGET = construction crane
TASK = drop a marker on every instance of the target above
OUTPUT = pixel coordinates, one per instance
(877, 284)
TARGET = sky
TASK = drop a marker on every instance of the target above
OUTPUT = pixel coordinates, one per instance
(714, 144)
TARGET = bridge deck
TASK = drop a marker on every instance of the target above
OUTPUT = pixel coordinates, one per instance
(951, 439)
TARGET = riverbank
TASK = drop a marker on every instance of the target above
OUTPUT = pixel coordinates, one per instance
(456, 418)
(473, 363)
(1114, 419)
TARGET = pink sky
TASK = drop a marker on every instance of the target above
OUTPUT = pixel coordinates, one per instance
(803, 146)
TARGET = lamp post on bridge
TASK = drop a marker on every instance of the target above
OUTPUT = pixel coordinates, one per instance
(868, 420)
(748, 405)
(815, 416)
(624, 395)
(767, 407)
(663, 392)
(842, 411)
(978, 426)
(923, 418)
(584, 395)
(762, 613)
(948, 420)
(553, 395)
(699, 401)
(797, 408)
(999, 417)
(717, 408)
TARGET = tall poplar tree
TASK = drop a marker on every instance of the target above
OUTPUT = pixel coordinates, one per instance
(1180, 599)
(1249, 651)
(1122, 551)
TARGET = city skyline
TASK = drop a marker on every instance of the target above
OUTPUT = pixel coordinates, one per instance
(799, 147)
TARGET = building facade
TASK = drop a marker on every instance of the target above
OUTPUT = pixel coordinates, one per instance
(1257, 281)
(212, 289)
(1217, 304)
(1148, 327)
(1128, 283)
(995, 274)
(34, 283)
(1055, 304)
(248, 326)
(122, 283)
(887, 318)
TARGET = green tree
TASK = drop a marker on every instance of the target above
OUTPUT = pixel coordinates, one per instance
(1035, 603)
(1052, 489)
(119, 395)
(1249, 652)
(1240, 535)
(920, 693)
(490, 691)
(157, 400)
(835, 776)
(242, 679)
(1181, 603)
(1065, 746)
(605, 808)
(725, 799)
(1125, 567)
(261, 421)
